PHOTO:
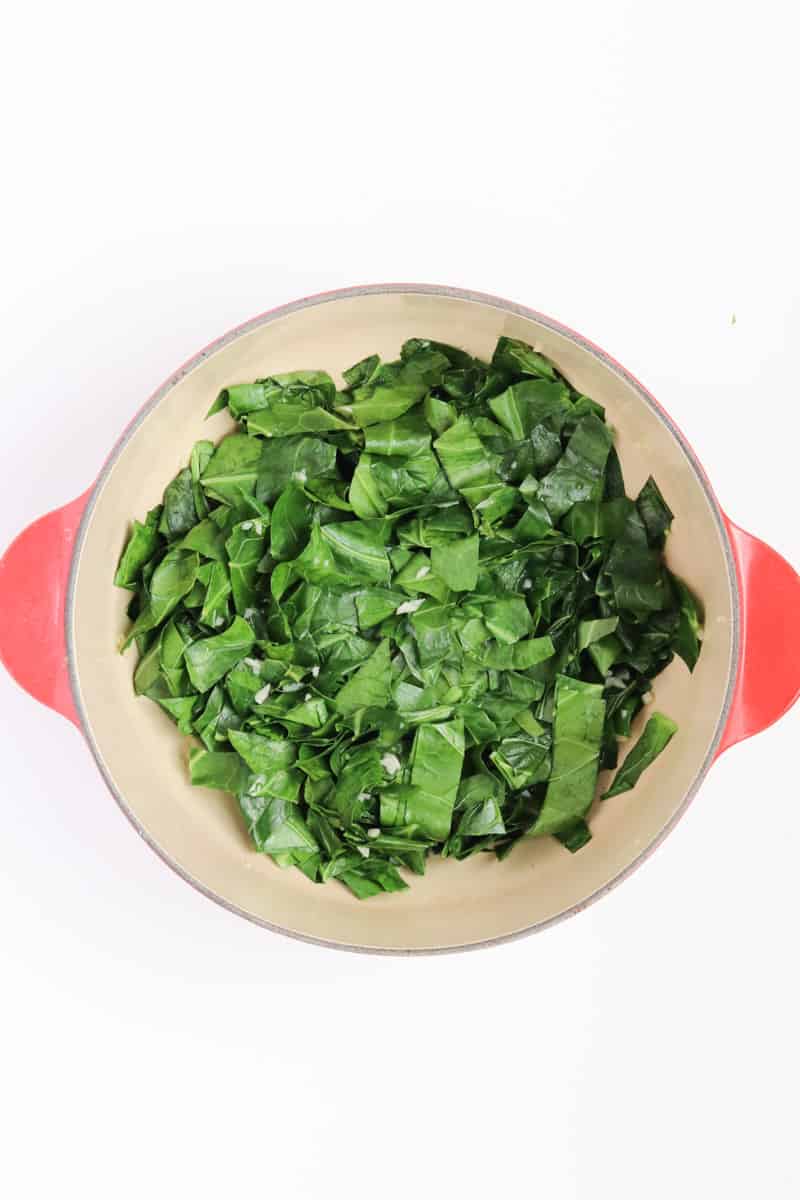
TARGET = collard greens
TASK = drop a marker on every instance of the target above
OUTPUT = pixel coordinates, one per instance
(411, 616)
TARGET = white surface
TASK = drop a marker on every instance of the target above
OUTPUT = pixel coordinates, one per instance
(173, 169)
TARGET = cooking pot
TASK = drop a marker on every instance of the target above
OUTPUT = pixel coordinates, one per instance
(62, 620)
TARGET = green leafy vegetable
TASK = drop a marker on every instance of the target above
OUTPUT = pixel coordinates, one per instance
(207, 539)
(232, 470)
(292, 518)
(687, 640)
(437, 756)
(245, 549)
(208, 659)
(656, 735)
(171, 580)
(179, 513)
(409, 617)
(578, 474)
(470, 468)
(655, 513)
(456, 563)
(578, 717)
(142, 545)
(518, 358)
(369, 686)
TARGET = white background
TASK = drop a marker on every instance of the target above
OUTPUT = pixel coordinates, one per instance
(172, 169)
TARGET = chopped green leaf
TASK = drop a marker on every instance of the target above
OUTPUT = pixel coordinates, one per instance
(142, 545)
(577, 736)
(656, 736)
(409, 617)
(456, 563)
(208, 659)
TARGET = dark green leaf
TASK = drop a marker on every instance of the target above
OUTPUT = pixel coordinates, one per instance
(293, 458)
(470, 469)
(142, 545)
(362, 372)
(595, 630)
(215, 720)
(655, 513)
(518, 358)
(369, 687)
(202, 453)
(529, 405)
(436, 760)
(637, 575)
(307, 389)
(277, 824)
(578, 475)
(508, 620)
(577, 737)
(175, 638)
(404, 437)
(208, 659)
(414, 347)
(499, 656)
(575, 837)
(374, 403)
(233, 469)
(172, 579)
(345, 553)
(615, 484)
(524, 759)
(291, 522)
(179, 513)
(365, 495)
(657, 734)
(245, 549)
(287, 420)
(181, 709)
(439, 414)
(207, 539)
(374, 605)
(217, 769)
(215, 612)
(148, 678)
(447, 611)
(456, 562)
(687, 639)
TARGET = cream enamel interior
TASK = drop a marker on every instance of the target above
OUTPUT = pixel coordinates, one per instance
(198, 831)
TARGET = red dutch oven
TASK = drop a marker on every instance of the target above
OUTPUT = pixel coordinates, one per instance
(62, 621)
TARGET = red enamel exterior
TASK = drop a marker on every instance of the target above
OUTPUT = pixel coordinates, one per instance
(768, 677)
(34, 574)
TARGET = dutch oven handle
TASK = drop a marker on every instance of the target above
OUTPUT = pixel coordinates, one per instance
(34, 576)
(768, 678)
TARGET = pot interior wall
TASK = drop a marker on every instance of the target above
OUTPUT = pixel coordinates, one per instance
(144, 757)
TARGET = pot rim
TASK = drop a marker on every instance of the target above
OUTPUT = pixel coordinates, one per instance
(276, 314)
